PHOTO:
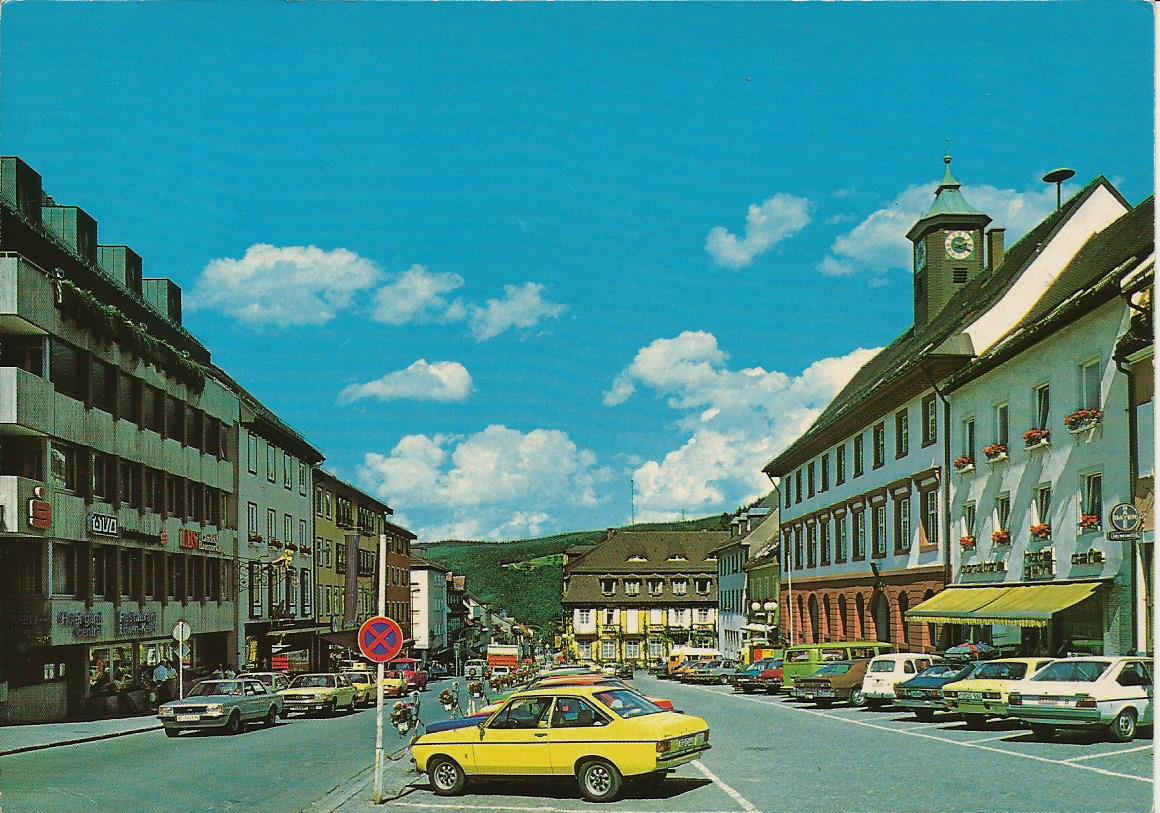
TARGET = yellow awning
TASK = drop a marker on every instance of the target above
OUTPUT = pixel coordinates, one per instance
(1032, 606)
(954, 605)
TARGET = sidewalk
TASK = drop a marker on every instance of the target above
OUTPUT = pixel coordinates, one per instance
(15, 739)
(355, 795)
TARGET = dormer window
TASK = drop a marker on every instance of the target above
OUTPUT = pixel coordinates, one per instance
(680, 587)
(656, 586)
(632, 587)
(608, 586)
(636, 557)
(703, 586)
(676, 557)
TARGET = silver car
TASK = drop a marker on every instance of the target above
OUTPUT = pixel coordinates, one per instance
(227, 704)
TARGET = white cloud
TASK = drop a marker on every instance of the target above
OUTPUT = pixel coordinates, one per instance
(422, 381)
(284, 285)
(510, 483)
(417, 295)
(734, 421)
(766, 225)
(878, 243)
(522, 306)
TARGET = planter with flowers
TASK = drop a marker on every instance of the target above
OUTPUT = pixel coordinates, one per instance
(291, 546)
(1036, 438)
(1082, 420)
(996, 452)
(274, 543)
(1041, 530)
(1089, 523)
(965, 464)
(967, 542)
(1001, 537)
(256, 539)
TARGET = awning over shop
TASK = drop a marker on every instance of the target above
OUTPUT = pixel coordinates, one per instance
(348, 639)
(1018, 606)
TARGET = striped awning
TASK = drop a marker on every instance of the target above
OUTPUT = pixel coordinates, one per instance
(1016, 606)
(954, 605)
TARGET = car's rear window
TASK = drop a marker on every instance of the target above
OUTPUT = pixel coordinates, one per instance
(885, 665)
(1072, 671)
(834, 669)
(940, 670)
(627, 704)
(996, 670)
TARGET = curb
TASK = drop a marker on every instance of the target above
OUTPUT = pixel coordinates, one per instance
(79, 740)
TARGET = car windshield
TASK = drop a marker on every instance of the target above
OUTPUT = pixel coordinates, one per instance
(885, 665)
(834, 669)
(357, 677)
(997, 670)
(215, 687)
(627, 704)
(940, 670)
(313, 682)
(265, 678)
(1072, 671)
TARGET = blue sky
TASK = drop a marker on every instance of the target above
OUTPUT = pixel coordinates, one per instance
(496, 260)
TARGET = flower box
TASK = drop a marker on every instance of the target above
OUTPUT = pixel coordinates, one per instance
(1089, 522)
(965, 463)
(291, 546)
(1001, 537)
(256, 538)
(1036, 438)
(1083, 419)
(1041, 530)
(274, 543)
(996, 452)
(967, 542)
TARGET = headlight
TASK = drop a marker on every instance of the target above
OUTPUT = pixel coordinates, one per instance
(992, 696)
(1014, 699)
(215, 710)
(166, 711)
(951, 694)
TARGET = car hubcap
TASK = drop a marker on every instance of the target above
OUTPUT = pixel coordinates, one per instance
(1125, 725)
(599, 780)
(445, 776)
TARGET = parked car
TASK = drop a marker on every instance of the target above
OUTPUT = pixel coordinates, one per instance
(745, 680)
(412, 671)
(597, 679)
(364, 683)
(716, 671)
(600, 736)
(805, 659)
(1110, 692)
(886, 670)
(923, 693)
(475, 669)
(225, 704)
(841, 680)
(984, 693)
(626, 671)
(322, 692)
(273, 681)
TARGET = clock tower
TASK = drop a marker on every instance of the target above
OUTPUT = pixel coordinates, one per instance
(948, 247)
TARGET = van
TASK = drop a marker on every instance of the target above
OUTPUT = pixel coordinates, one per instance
(883, 672)
(805, 659)
(682, 655)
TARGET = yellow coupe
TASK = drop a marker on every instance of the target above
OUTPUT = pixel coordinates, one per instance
(600, 735)
(323, 692)
(984, 693)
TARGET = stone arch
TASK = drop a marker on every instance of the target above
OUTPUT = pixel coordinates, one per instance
(880, 611)
(815, 619)
(931, 630)
(860, 604)
(827, 618)
(799, 621)
(903, 606)
(844, 617)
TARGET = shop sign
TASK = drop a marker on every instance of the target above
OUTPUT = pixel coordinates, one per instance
(39, 510)
(209, 542)
(82, 624)
(1089, 557)
(136, 622)
(188, 539)
(103, 525)
(1123, 536)
(1124, 517)
(984, 567)
(1039, 564)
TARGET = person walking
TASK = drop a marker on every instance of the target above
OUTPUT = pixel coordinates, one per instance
(230, 671)
(161, 678)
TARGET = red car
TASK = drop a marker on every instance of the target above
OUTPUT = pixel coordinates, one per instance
(409, 669)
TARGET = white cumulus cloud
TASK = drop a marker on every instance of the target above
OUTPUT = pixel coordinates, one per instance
(522, 306)
(418, 295)
(733, 420)
(766, 224)
(284, 285)
(421, 381)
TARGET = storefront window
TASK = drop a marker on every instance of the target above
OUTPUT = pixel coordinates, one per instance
(64, 582)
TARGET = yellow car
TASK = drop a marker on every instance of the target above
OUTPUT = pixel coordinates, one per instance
(364, 684)
(325, 692)
(600, 735)
(984, 693)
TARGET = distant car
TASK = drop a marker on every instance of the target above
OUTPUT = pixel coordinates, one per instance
(886, 670)
(717, 671)
(226, 704)
(321, 692)
(834, 682)
(923, 693)
(1110, 692)
(273, 681)
(412, 671)
(476, 669)
(626, 671)
(984, 693)
(364, 683)
(749, 680)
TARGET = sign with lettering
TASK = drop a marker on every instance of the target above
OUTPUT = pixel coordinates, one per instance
(136, 622)
(1039, 564)
(164, 538)
(985, 567)
(1088, 557)
(1124, 517)
(39, 510)
(82, 624)
(103, 525)
(189, 539)
(209, 542)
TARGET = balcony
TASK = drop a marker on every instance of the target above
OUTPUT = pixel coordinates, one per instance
(26, 403)
(27, 298)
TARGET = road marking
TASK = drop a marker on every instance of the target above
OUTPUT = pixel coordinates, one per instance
(1110, 753)
(729, 791)
(536, 809)
(960, 743)
(1002, 736)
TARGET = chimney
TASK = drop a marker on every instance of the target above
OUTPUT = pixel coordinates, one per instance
(994, 248)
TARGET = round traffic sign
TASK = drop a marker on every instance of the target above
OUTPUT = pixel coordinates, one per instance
(380, 639)
(181, 631)
(1124, 517)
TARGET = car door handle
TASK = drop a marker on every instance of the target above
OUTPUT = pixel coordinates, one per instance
(541, 733)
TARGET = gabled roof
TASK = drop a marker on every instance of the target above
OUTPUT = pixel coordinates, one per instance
(657, 547)
(936, 338)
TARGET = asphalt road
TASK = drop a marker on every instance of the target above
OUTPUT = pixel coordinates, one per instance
(769, 754)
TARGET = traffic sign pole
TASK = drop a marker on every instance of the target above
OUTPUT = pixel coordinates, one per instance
(379, 707)
(181, 635)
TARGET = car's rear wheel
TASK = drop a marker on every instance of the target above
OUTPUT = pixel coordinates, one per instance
(447, 778)
(599, 781)
(271, 717)
(975, 720)
(1042, 732)
(1123, 728)
(924, 715)
(171, 732)
(234, 724)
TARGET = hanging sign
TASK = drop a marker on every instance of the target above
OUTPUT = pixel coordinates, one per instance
(103, 525)
(39, 510)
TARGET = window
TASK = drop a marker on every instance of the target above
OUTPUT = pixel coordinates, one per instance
(702, 615)
(288, 529)
(287, 466)
(858, 456)
(608, 586)
(1089, 385)
(825, 471)
(607, 650)
(1091, 516)
(901, 434)
(787, 484)
(840, 464)
(327, 506)
(810, 478)
(798, 549)
(64, 569)
(879, 445)
(840, 539)
(251, 453)
(255, 589)
(798, 486)
(680, 587)
(632, 649)
(1042, 405)
(859, 552)
(1002, 429)
(303, 539)
(302, 478)
(656, 648)
(271, 524)
(1043, 504)
(584, 616)
(824, 543)
(969, 519)
(930, 515)
(174, 419)
(271, 462)
(318, 500)
(703, 586)
(102, 385)
(609, 617)
(585, 648)
(812, 545)
(340, 557)
(969, 438)
(154, 414)
(252, 518)
(632, 587)
(65, 367)
(929, 421)
(1003, 512)
(64, 466)
(878, 528)
(902, 523)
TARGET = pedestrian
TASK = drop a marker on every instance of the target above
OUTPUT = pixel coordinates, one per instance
(160, 677)
(230, 671)
(218, 673)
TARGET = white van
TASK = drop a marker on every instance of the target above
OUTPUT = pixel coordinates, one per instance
(886, 670)
(475, 669)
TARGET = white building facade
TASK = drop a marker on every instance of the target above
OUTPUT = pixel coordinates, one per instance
(428, 609)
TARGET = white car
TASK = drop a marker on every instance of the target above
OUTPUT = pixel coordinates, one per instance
(886, 670)
(1110, 692)
(475, 669)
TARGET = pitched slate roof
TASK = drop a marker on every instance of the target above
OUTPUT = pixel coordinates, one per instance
(656, 548)
(936, 336)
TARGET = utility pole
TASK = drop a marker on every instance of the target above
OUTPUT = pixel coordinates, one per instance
(632, 500)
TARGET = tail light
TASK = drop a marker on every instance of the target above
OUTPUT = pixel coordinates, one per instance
(1085, 702)
(992, 696)
(706, 740)
(1014, 699)
(898, 690)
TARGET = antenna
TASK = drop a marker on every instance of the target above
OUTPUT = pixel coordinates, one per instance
(1057, 177)
(632, 499)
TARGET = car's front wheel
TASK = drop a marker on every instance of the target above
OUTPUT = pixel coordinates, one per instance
(447, 778)
(599, 781)
(171, 732)
(271, 717)
(1123, 728)
(234, 724)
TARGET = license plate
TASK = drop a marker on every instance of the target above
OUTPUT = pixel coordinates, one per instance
(825, 693)
(971, 696)
(686, 742)
(1051, 701)
(188, 718)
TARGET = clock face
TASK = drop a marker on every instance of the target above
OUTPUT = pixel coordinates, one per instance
(920, 255)
(960, 245)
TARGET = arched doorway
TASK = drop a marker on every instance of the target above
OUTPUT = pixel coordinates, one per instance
(881, 612)
(903, 606)
(860, 605)
(843, 618)
(815, 621)
(827, 619)
(799, 622)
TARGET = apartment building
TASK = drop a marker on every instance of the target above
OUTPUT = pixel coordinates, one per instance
(429, 610)
(732, 577)
(399, 541)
